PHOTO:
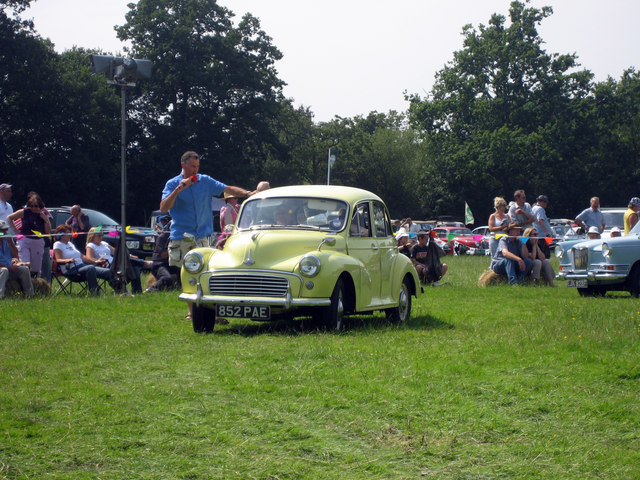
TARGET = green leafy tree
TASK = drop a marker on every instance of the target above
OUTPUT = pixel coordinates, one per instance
(214, 89)
(504, 114)
(54, 135)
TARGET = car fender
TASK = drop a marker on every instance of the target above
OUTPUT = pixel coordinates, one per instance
(188, 286)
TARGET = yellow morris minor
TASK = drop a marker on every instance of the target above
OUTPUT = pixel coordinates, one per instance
(321, 251)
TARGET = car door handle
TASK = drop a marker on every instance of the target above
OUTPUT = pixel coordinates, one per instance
(375, 247)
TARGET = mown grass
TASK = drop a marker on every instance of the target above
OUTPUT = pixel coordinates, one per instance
(482, 383)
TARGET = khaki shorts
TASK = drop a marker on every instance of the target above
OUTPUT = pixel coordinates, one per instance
(179, 248)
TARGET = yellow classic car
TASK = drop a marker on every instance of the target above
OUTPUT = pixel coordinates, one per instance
(309, 250)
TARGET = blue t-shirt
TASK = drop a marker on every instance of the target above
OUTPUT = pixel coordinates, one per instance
(191, 213)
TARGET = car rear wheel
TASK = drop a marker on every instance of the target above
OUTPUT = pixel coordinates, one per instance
(203, 319)
(402, 312)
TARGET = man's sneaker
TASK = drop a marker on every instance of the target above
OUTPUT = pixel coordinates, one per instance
(436, 283)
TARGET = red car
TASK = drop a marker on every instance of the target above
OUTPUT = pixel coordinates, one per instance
(460, 238)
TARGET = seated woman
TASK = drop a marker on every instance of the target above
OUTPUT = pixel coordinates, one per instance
(99, 250)
(539, 261)
(72, 262)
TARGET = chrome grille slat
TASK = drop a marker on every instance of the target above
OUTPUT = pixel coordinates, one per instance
(248, 285)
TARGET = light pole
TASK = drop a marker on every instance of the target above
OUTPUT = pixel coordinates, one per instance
(122, 72)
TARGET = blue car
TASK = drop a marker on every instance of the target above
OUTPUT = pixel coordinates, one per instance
(595, 267)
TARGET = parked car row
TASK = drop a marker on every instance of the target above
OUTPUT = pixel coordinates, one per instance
(595, 267)
(141, 241)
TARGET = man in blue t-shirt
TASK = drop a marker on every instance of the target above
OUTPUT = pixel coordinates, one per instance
(187, 198)
(510, 260)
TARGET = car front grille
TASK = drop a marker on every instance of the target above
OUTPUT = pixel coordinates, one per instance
(580, 258)
(248, 285)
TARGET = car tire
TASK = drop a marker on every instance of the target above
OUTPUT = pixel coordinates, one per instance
(203, 319)
(333, 315)
(634, 282)
(402, 312)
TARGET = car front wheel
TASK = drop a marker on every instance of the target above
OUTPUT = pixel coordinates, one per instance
(204, 319)
(402, 312)
(333, 315)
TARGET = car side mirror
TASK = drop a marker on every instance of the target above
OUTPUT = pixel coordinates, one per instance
(331, 241)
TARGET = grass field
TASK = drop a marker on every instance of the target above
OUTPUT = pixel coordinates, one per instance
(481, 383)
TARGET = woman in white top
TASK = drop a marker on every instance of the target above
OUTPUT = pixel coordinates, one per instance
(498, 223)
(99, 250)
(72, 262)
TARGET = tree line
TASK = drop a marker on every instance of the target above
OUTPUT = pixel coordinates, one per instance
(503, 114)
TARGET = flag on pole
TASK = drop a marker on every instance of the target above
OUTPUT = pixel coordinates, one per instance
(468, 216)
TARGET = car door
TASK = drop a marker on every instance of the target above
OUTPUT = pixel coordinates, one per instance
(364, 246)
(387, 247)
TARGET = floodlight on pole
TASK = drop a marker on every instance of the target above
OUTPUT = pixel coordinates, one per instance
(122, 72)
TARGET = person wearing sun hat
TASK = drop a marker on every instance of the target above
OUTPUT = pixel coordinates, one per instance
(511, 259)
(402, 238)
(229, 212)
(631, 215)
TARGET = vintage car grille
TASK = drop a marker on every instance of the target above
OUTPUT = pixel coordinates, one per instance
(580, 258)
(248, 285)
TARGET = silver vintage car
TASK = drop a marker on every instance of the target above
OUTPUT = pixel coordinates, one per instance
(595, 267)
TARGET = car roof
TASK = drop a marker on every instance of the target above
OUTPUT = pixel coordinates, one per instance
(349, 194)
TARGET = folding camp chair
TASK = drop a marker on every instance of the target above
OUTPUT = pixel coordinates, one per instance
(65, 283)
(71, 283)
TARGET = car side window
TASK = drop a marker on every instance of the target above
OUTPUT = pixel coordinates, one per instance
(360, 225)
(381, 220)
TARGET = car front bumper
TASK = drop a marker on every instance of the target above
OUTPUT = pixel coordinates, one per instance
(280, 290)
(597, 276)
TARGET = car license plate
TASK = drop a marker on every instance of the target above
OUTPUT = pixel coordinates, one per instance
(257, 312)
(580, 283)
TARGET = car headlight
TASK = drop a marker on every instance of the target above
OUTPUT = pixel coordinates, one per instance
(309, 265)
(192, 262)
(133, 244)
(559, 251)
(606, 250)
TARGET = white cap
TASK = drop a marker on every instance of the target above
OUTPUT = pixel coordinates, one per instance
(594, 229)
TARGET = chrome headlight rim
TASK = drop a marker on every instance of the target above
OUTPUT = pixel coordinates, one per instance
(193, 262)
(309, 266)
(559, 251)
(606, 250)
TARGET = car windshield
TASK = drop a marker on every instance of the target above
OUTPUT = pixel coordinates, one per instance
(613, 219)
(99, 218)
(301, 213)
(635, 230)
(460, 231)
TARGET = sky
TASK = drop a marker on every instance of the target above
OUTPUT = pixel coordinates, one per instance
(352, 57)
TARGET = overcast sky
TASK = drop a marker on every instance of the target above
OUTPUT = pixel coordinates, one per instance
(350, 57)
